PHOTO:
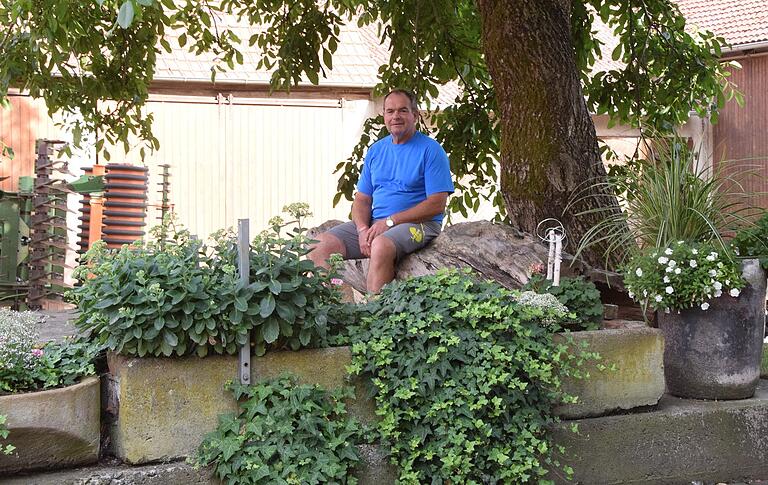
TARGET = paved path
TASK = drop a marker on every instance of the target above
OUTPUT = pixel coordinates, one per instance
(57, 325)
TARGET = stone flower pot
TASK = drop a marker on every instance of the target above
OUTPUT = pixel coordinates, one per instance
(716, 354)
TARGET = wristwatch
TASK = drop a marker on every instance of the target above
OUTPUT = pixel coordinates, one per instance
(390, 222)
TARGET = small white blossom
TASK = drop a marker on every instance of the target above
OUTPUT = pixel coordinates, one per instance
(658, 298)
(663, 259)
(672, 263)
(668, 251)
(666, 279)
(666, 310)
(678, 271)
(693, 263)
(736, 250)
(631, 295)
(695, 251)
(669, 290)
(712, 272)
(713, 254)
(669, 269)
(718, 293)
(734, 292)
(645, 293)
(728, 282)
(639, 272)
(717, 285)
(705, 306)
(710, 258)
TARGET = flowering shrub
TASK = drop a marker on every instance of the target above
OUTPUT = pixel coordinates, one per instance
(25, 366)
(681, 276)
(580, 297)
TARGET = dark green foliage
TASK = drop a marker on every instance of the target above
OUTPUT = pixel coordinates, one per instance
(284, 433)
(464, 380)
(752, 241)
(580, 296)
(181, 297)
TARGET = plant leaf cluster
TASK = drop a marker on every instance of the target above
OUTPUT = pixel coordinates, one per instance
(464, 379)
(79, 55)
(579, 295)
(284, 434)
(5, 448)
(752, 241)
(179, 296)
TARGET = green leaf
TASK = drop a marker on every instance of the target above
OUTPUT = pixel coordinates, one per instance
(271, 330)
(170, 338)
(241, 304)
(267, 306)
(125, 15)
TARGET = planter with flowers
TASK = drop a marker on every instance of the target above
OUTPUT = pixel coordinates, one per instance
(710, 308)
(49, 398)
(670, 236)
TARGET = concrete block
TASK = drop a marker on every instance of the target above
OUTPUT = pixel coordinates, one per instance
(680, 442)
(165, 406)
(52, 429)
(638, 380)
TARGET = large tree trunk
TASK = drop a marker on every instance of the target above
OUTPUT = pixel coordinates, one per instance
(549, 147)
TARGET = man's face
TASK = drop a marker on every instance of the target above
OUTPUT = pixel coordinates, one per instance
(398, 117)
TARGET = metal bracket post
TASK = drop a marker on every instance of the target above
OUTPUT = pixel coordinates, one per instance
(243, 256)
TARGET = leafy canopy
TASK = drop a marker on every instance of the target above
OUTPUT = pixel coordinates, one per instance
(77, 54)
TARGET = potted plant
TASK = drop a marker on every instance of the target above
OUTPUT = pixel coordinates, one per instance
(671, 238)
(49, 398)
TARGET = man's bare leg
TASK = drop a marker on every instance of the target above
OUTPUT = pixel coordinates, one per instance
(327, 245)
(382, 268)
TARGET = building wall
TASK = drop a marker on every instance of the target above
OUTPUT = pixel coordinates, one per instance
(741, 133)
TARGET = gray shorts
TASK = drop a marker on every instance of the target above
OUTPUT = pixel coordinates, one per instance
(407, 237)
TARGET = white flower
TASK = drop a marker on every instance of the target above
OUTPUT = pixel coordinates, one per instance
(712, 272)
(718, 293)
(639, 272)
(693, 263)
(658, 298)
(680, 242)
(631, 295)
(713, 254)
(728, 282)
(734, 292)
(668, 251)
(695, 251)
(710, 258)
(663, 259)
(717, 285)
(704, 306)
(645, 293)
(666, 279)
(736, 250)
(666, 310)
(669, 269)
(678, 271)
(672, 263)
(669, 290)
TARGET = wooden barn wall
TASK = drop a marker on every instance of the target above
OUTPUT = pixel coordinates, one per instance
(742, 132)
(22, 124)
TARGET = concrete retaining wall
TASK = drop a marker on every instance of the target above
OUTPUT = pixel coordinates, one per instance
(634, 376)
(53, 429)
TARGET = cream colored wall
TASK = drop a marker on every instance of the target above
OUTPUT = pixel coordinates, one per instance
(246, 158)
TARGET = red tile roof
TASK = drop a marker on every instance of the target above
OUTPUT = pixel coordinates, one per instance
(738, 21)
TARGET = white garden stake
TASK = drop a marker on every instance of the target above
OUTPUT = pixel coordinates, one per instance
(551, 258)
(558, 258)
(555, 238)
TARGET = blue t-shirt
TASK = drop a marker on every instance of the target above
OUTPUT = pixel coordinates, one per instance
(398, 177)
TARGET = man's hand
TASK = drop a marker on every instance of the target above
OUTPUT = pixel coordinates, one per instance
(377, 229)
(362, 240)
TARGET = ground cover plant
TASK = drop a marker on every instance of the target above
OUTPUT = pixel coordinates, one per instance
(26, 365)
(579, 296)
(752, 241)
(284, 433)
(5, 448)
(464, 378)
(176, 295)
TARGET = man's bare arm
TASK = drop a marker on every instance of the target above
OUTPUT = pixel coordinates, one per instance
(423, 211)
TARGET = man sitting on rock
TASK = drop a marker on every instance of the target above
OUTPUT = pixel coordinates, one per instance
(400, 199)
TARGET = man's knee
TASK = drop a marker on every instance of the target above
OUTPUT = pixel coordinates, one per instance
(326, 245)
(383, 250)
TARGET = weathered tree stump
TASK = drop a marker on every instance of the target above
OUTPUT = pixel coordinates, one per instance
(496, 251)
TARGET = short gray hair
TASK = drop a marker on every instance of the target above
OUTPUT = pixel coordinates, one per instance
(411, 97)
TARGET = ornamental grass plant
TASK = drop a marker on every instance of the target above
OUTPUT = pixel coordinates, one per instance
(672, 197)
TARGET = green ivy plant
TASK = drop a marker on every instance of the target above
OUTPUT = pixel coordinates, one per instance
(176, 295)
(578, 295)
(465, 378)
(284, 433)
(5, 448)
(752, 241)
